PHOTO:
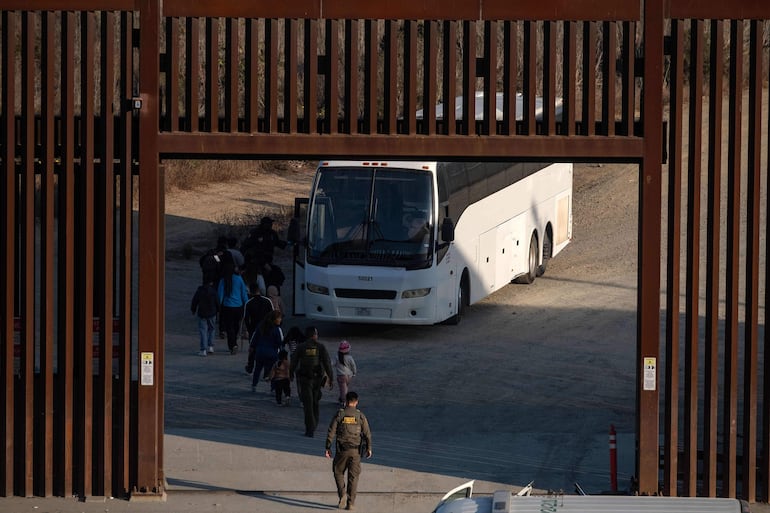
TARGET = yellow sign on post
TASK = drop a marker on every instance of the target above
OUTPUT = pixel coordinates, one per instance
(650, 373)
(148, 370)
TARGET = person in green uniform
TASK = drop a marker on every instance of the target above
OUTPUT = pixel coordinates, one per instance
(313, 367)
(353, 439)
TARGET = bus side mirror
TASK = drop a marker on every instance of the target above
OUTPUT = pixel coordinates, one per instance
(447, 230)
(292, 234)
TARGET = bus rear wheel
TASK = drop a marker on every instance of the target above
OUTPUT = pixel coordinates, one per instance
(547, 250)
(532, 266)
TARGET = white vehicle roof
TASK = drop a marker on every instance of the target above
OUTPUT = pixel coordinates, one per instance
(592, 504)
(373, 163)
(461, 500)
(498, 107)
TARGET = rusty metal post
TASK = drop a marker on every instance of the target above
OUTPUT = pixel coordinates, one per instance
(753, 201)
(7, 253)
(671, 414)
(150, 394)
(648, 309)
(692, 276)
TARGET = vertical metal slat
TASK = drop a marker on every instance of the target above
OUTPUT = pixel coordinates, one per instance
(7, 244)
(510, 74)
(589, 78)
(529, 80)
(211, 100)
(271, 76)
(231, 74)
(609, 56)
(352, 60)
(549, 78)
(331, 79)
(47, 247)
(628, 82)
(692, 275)
(469, 77)
(172, 75)
(86, 252)
(390, 109)
(290, 76)
(730, 380)
(67, 322)
(569, 78)
(192, 74)
(429, 79)
(450, 70)
(371, 50)
(489, 123)
(754, 178)
(764, 468)
(410, 78)
(671, 410)
(106, 222)
(251, 87)
(27, 253)
(310, 79)
(710, 386)
(125, 228)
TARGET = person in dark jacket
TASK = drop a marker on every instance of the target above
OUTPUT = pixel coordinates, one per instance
(266, 342)
(206, 305)
(354, 438)
(257, 307)
(261, 242)
(258, 251)
(313, 367)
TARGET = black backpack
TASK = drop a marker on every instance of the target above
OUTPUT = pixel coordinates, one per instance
(210, 263)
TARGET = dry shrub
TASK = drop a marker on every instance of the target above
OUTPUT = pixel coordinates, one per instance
(238, 224)
(193, 174)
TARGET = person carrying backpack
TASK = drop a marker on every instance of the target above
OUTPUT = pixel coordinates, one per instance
(353, 437)
(313, 368)
(205, 304)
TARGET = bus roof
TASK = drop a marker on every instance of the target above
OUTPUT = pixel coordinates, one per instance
(396, 164)
(498, 107)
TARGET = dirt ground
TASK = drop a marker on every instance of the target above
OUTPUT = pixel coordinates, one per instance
(525, 388)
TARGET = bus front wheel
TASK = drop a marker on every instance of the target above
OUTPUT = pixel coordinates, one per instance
(532, 266)
(462, 300)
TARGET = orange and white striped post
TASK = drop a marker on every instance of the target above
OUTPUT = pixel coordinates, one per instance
(613, 459)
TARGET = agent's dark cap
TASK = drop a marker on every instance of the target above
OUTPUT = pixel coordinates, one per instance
(266, 220)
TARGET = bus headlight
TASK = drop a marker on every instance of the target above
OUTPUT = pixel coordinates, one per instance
(318, 289)
(408, 294)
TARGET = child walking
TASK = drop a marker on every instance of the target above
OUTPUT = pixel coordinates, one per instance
(346, 369)
(279, 378)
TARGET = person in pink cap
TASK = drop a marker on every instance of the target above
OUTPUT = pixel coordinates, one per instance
(346, 369)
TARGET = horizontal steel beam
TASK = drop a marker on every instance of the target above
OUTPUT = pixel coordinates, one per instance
(732, 10)
(553, 10)
(68, 5)
(268, 146)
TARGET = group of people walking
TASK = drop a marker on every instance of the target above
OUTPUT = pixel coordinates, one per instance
(277, 358)
(226, 270)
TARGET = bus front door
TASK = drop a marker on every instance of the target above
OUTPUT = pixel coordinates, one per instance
(299, 251)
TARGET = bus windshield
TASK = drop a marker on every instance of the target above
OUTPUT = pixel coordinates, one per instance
(371, 216)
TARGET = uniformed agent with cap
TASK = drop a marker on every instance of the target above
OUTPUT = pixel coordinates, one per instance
(311, 364)
(353, 438)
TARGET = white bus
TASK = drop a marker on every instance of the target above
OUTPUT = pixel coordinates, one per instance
(416, 242)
